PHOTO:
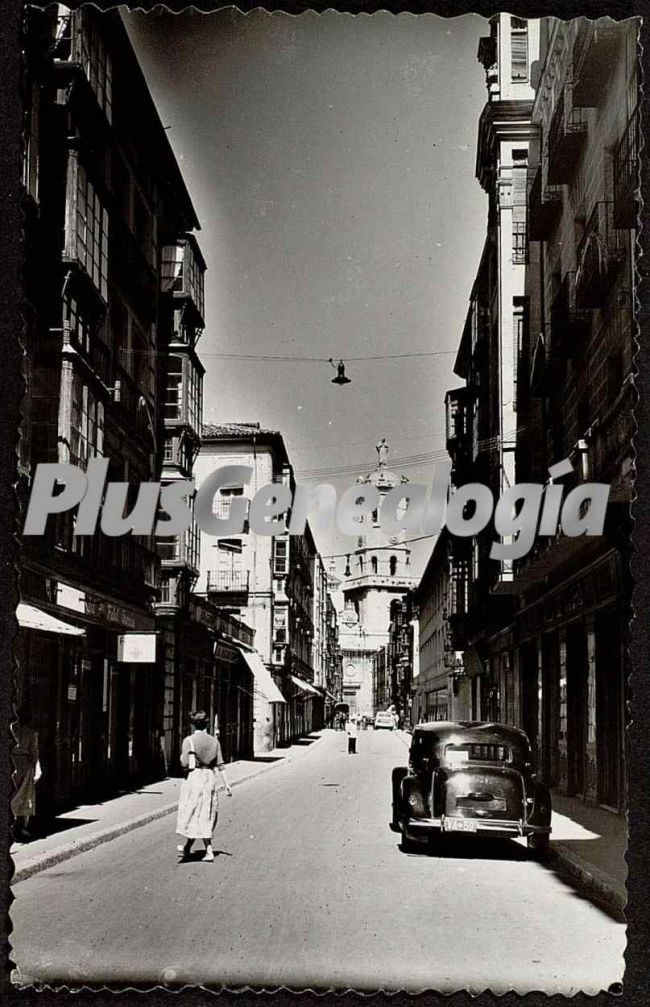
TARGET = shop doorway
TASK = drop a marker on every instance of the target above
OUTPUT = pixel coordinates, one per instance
(609, 707)
(576, 672)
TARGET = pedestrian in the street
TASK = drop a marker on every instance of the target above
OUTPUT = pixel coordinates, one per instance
(26, 774)
(198, 803)
(352, 736)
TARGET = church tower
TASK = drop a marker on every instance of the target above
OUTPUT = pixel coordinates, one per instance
(376, 572)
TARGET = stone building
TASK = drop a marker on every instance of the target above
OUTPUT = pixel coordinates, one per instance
(377, 572)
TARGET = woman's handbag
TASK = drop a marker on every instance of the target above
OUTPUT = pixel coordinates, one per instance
(191, 759)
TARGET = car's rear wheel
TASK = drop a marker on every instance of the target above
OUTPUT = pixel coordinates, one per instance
(539, 843)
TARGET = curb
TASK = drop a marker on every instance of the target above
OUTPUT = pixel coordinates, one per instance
(597, 884)
(47, 860)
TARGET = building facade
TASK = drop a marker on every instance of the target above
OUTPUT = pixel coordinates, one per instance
(103, 200)
(441, 687)
(270, 581)
(544, 636)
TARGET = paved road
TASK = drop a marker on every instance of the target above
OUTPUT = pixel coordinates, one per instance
(310, 889)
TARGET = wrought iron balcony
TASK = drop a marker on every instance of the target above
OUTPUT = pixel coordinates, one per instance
(228, 582)
(566, 136)
(626, 175)
(569, 324)
(594, 49)
(544, 208)
(600, 255)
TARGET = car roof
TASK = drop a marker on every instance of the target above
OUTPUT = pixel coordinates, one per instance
(471, 731)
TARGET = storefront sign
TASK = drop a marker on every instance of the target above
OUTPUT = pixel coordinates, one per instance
(223, 652)
(137, 648)
(70, 597)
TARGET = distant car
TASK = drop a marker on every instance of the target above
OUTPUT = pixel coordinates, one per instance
(384, 720)
(472, 778)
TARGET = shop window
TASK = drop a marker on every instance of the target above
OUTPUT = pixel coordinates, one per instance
(91, 233)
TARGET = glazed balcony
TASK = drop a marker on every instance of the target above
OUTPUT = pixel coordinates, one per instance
(626, 176)
(182, 272)
(457, 418)
(600, 255)
(594, 49)
(544, 208)
(569, 324)
(566, 138)
(180, 551)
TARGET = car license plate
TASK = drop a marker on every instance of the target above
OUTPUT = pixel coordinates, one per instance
(459, 825)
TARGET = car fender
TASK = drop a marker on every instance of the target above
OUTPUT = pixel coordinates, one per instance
(397, 776)
(541, 813)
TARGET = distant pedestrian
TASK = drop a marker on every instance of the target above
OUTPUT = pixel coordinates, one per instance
(26, 774)
(198, 803)
(352, 736)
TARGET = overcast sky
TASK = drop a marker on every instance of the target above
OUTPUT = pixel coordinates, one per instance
(330, 159)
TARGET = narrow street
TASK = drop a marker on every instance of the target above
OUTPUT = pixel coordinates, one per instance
(310, 888)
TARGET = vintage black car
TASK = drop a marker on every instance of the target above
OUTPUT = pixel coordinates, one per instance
(471, 778)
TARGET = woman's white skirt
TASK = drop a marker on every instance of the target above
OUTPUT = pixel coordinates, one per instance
(198, 804)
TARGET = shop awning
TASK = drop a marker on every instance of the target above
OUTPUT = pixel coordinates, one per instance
(31, 617)
(264, 684)
(305, 686)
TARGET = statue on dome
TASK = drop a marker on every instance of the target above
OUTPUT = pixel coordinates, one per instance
(382, 450)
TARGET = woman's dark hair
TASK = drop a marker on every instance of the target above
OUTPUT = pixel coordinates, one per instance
(199, 719)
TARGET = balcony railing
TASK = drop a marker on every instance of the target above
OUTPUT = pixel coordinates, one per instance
(600, 255)
(228, 581)
(544, 208)
(569, 324)
(594, 50)
(626, 176)
(566, 136)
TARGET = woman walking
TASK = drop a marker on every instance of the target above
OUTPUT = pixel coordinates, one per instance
(198, 801)
(26, 774)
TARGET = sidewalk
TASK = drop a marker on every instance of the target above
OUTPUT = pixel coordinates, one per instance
(89, 825)
(589, 844)
(587, 847)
